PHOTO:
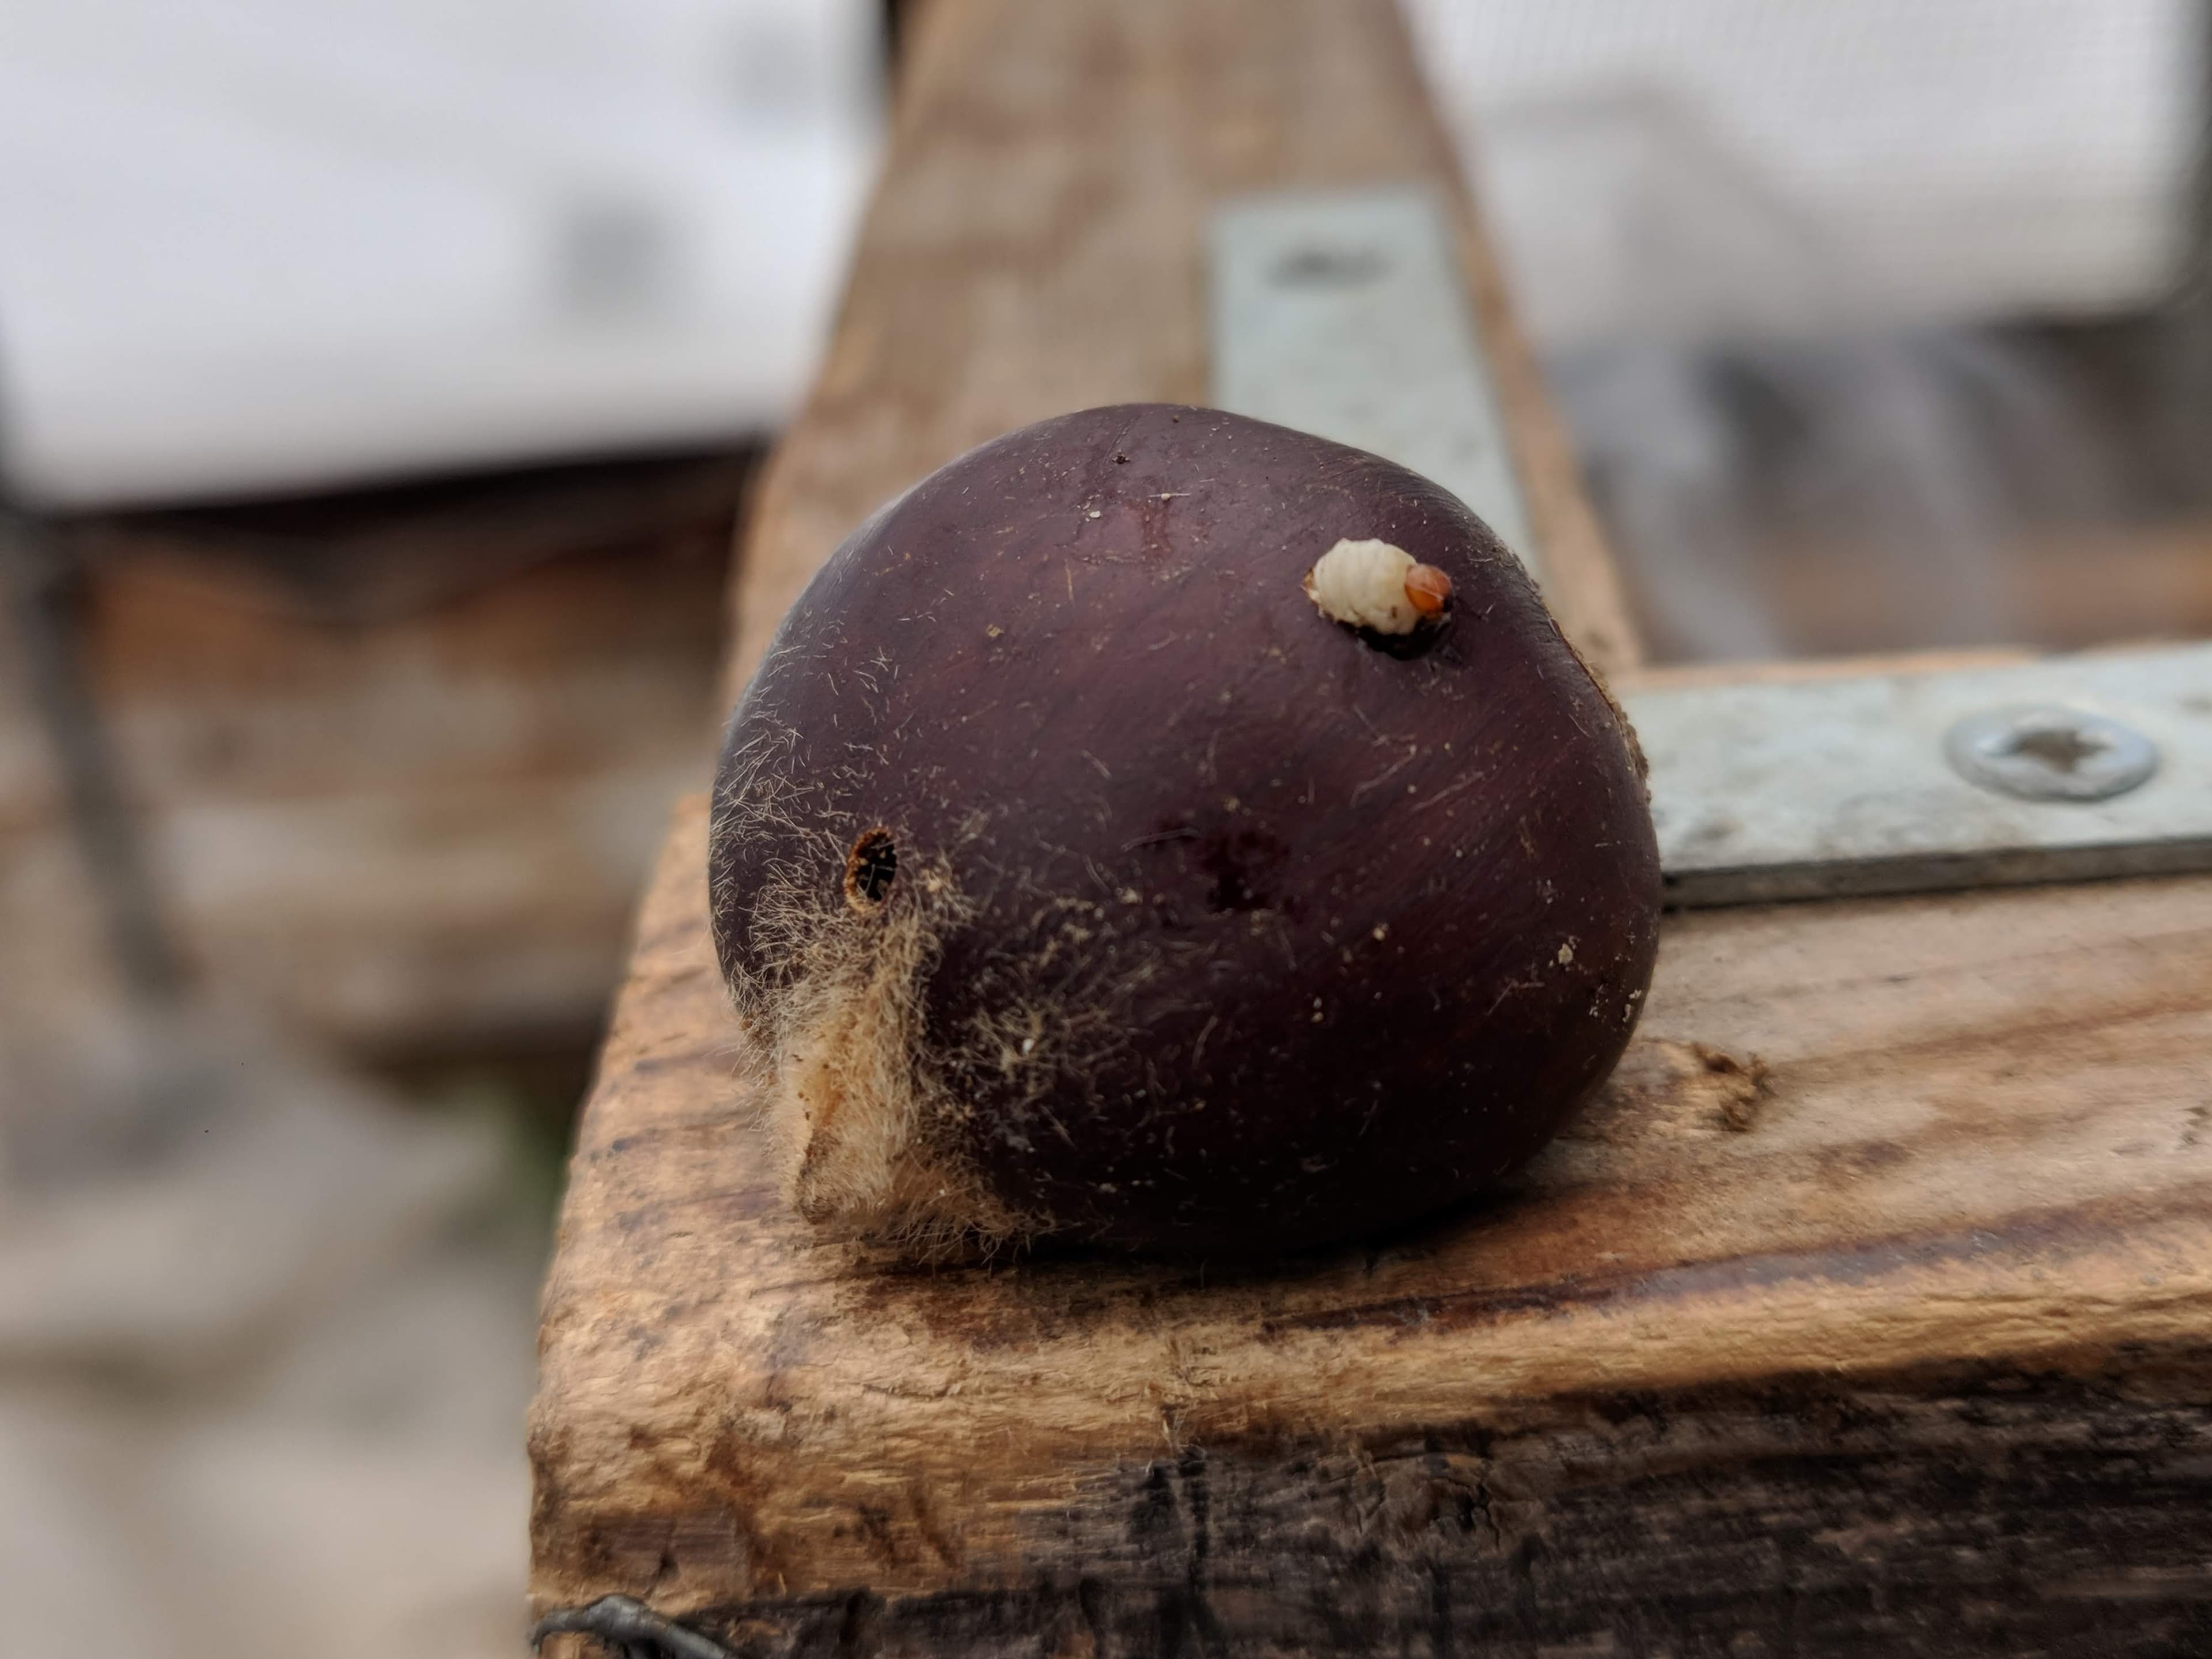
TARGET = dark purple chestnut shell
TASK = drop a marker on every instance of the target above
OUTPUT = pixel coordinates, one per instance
(1076, 875)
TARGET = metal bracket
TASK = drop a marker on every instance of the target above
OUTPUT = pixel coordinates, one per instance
(1344, 316)
(2056, 770)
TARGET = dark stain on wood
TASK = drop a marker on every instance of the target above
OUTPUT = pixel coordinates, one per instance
(2009, 1514)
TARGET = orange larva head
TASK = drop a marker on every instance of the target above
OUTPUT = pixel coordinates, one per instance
(1429, 589)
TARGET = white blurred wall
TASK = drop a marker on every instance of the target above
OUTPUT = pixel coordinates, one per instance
(1699, 169)
(253, 245)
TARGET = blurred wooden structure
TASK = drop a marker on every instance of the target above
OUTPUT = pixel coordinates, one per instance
(1870, 1310)
(400, 757)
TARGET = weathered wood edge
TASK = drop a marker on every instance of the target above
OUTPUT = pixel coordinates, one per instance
(2005, 1512)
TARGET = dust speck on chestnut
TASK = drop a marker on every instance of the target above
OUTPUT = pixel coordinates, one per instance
(1170, 916)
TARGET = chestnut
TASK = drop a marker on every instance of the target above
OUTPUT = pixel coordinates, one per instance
(1161, 830)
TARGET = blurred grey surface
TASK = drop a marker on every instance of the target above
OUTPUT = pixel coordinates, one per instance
(251, 245)
(1692, 170)
(321, 815)
(1874, 321)
(265, 1337)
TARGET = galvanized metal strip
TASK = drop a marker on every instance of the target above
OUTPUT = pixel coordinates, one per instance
(1345, 315)
(1896, 783)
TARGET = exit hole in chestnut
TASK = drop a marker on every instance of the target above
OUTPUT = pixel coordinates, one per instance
(870, 869)
(1406, 647)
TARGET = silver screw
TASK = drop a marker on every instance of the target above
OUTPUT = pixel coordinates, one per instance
(2047, 751)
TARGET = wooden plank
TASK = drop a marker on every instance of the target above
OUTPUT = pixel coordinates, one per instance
(402, 757)
(1870, 1308)
(1036, 245)
(1877, 1290)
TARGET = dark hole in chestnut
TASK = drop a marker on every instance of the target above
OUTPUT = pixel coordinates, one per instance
(1241, 904)
(1406, 647)
(870, 869)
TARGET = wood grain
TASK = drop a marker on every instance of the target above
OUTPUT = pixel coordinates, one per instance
(1868, 1311)
(1889, 1253)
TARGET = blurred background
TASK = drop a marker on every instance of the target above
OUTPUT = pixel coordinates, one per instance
(1881, 325)
(381, 383)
